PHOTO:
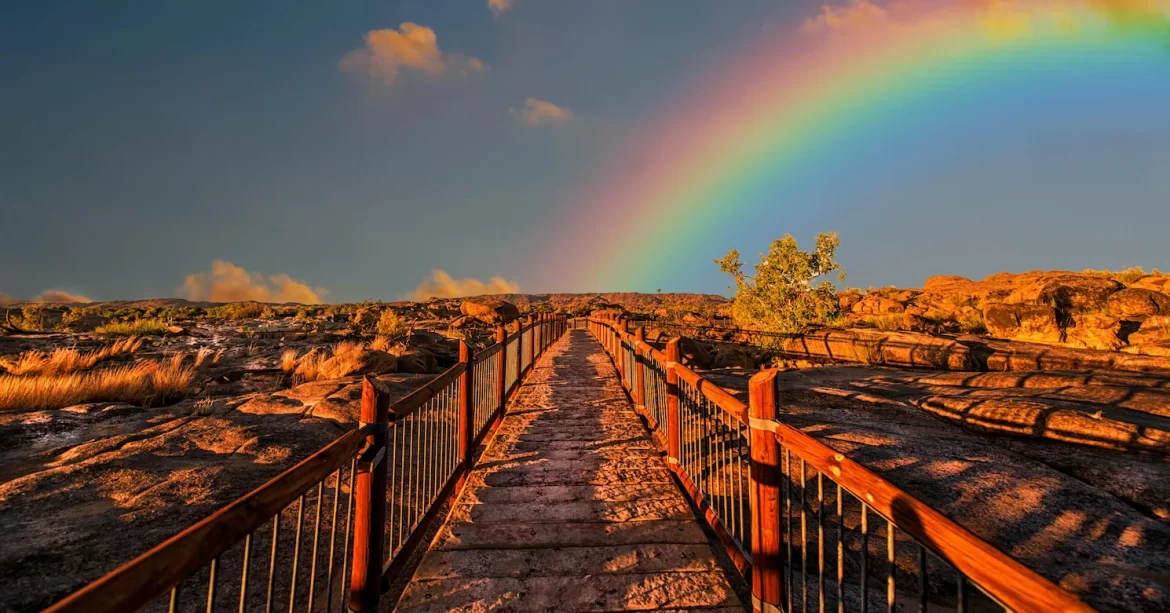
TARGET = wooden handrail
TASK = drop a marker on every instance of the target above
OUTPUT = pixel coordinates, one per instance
(1003, 578)
(412, 401)
(717, 395)
(1016, 586)
(150, 575)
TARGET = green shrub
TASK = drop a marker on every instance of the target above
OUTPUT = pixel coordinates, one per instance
(391, 325)
(782, 297)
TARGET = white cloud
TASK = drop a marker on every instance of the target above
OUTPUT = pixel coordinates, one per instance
(411, 47)
(442, 285)
(537, 112)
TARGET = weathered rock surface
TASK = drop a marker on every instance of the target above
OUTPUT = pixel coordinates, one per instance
(365, 361)
(1025, 322)
(1137, 303)
(489, 310)
(85, 489)
(1067, 472)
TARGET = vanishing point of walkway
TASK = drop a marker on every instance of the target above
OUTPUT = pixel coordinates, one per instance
(571, 508)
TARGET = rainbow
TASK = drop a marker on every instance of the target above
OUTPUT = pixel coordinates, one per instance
(796, 98)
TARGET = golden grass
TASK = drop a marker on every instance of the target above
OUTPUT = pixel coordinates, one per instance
(888, 322)
(288, 360)
(1125, 276)
(381, 343)
(308, 367)
(145, 383)
(67, 360)
(137, 327)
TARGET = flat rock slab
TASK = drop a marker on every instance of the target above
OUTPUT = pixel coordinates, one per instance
(571, 509)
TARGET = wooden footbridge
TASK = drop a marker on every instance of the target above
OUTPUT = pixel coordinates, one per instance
(571, 466)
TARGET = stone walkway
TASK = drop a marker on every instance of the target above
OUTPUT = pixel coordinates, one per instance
(571, 509)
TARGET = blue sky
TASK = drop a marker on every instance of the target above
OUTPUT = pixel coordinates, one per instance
(145, 140)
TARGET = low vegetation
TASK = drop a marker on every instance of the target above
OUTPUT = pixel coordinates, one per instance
(144, 383)
(66, 360)
(781, 296)
(138, 327)
(391, 325)
(1125, 276)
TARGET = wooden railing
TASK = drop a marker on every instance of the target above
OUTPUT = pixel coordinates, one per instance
(809, 528)
(333, 531)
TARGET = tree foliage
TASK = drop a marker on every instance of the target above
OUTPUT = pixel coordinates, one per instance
(781, 296)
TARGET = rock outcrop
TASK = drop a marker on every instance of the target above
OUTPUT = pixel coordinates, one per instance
(489, 310)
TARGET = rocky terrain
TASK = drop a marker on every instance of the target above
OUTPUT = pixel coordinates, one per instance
(1032, 408)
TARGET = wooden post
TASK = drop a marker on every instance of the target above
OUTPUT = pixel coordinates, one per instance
(531, 345)
(764, 492)
(501, 366)
(466, 412)
(370, 497)
(618, 358)
(639, 368)
(640, 365)
(519, 352)
(673, 422)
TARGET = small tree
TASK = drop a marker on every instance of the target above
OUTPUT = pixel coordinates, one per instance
(781, 296)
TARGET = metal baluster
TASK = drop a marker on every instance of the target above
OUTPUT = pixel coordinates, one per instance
(864, 557)
(348, 526)
(840, 550)
(961, 605)
(211, 584)
(803, 539)
(244, 573)
(332, 542)
(395, 492)
(820, 542)
(787, 493)
(272, 561)
(174, 600)
(890, 553)
(292, 595)
(316, 541)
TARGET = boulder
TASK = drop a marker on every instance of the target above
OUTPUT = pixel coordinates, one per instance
(868, 346)
(363, 362)
(877, 305)
(1093, 330)
(1136, 304)
(1158, 283)
(947, 284)
(489, 310)
(414, 360)
(1157, 348)
(846, 300)
(1154, 329)
(1066, 291)
(1029, 322)
(464, 322)
(734, 356)
(694, 353)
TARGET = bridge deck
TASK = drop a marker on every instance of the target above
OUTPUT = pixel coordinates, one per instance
(570, 509)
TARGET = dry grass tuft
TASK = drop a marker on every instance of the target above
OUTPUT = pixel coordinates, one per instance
(67, 360)
(140, 327)
(145, 383)
(381, 343)
(1125, 276)
(308, 367)
(288, 360)
(888, 322)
